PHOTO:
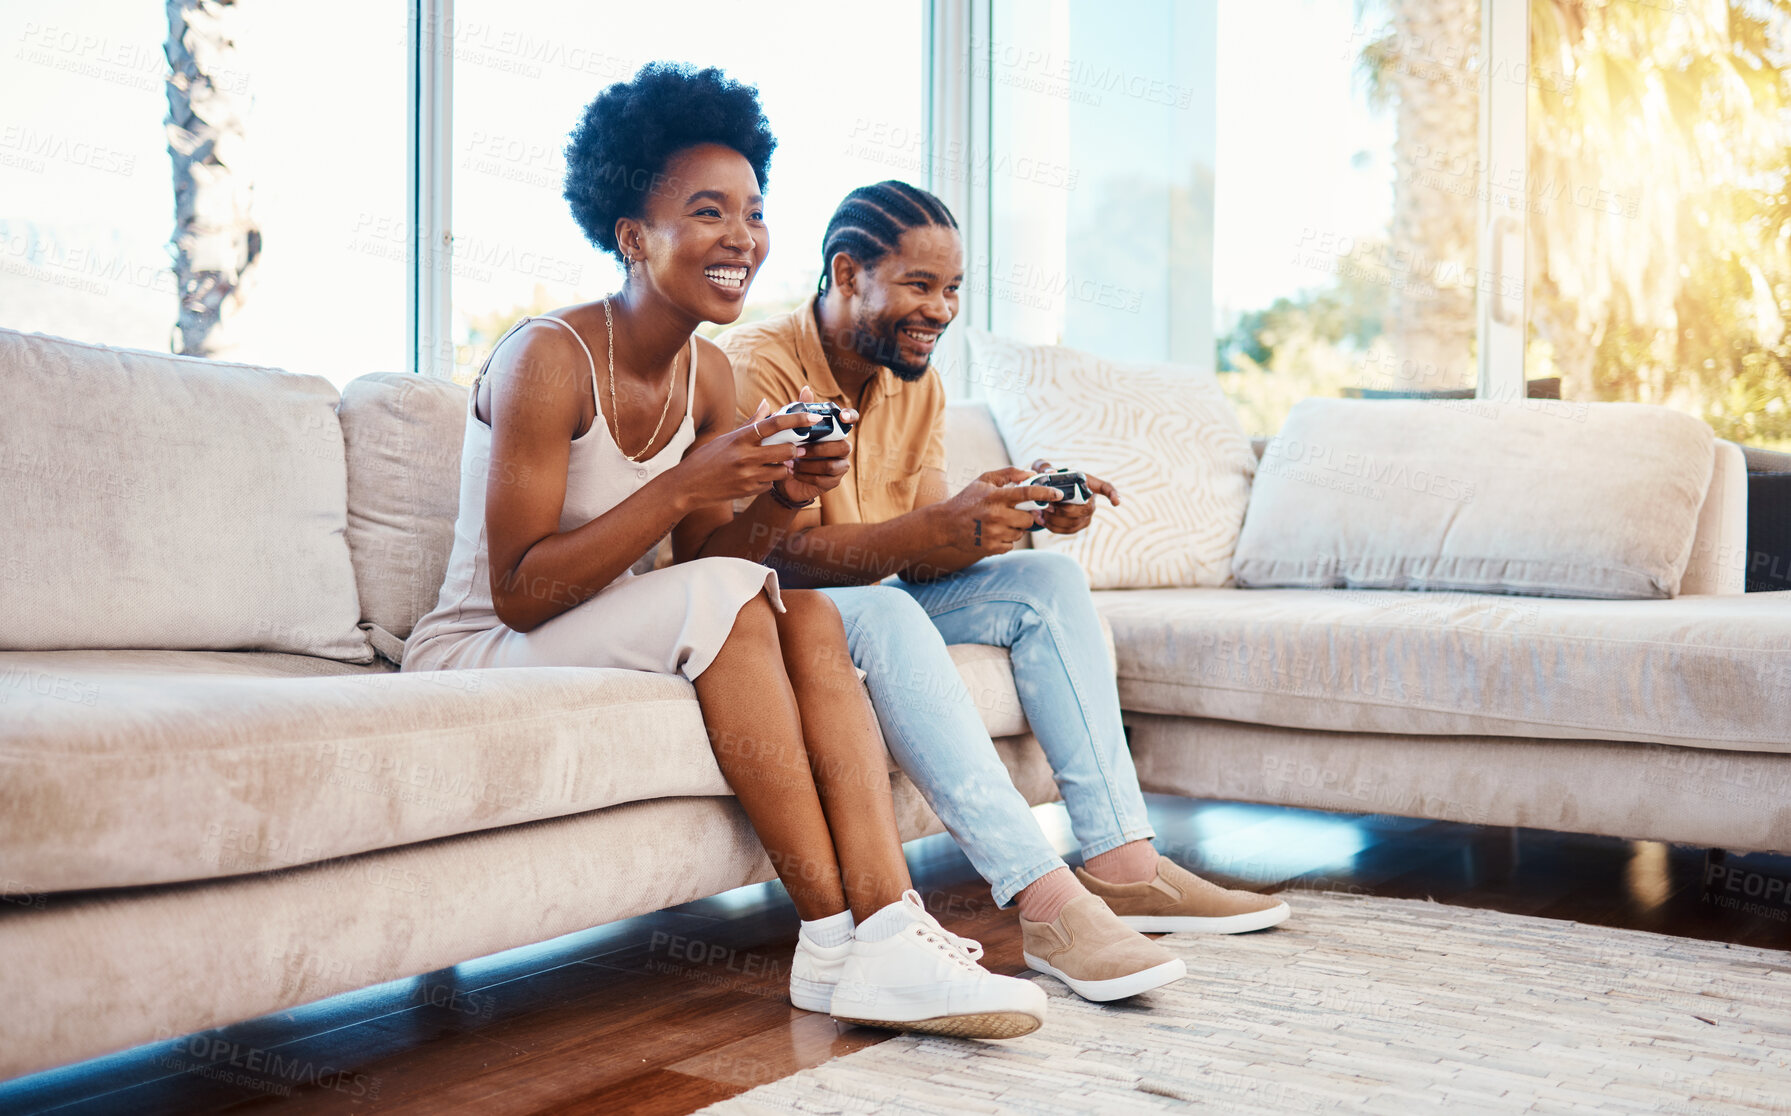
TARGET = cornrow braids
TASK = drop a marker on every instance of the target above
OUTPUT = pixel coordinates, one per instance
(870, 222)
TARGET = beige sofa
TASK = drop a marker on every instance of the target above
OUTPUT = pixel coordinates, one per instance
(246, 808)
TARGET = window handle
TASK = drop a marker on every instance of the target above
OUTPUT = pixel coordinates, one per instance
(1504, 226)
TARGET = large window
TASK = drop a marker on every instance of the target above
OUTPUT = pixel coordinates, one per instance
(85, 203)
(842, 85)
(1345, 256)
(1100, 174)
(1313, 197)
(301, 179)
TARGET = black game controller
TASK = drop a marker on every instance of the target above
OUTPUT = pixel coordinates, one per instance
(1072, 484)
(830, 428)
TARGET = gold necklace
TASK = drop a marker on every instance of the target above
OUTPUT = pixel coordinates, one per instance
(671, 386)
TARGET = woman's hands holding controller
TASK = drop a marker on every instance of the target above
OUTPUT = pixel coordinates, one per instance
(736, 467)
(822, 466)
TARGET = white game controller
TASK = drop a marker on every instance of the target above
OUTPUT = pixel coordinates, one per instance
(1073, 485)
(830, 428)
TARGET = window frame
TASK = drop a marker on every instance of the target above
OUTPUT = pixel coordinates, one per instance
(429, 251)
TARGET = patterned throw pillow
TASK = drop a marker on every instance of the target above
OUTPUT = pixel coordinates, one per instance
(1163, 434)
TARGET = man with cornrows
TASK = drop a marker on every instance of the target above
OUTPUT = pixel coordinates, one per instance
(913, 567)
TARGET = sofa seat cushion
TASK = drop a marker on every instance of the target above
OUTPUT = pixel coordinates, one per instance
(156, 778)
(1702, 671)
(141, 767)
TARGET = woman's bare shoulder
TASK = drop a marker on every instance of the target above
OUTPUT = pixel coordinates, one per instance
(540, 369)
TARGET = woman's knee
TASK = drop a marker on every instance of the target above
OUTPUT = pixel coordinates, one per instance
(808, 611)
(755, 625)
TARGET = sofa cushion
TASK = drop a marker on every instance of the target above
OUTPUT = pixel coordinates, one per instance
(402, 436)
(152, 778)
(165, 502)
(1535, 497)
(1706, 671)
(138, 767)
(1164, 435)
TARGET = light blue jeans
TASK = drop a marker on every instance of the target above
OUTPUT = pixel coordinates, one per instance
(1037, 605)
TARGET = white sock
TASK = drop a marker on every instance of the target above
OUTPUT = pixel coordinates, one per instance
(886, 923)
(834, 930)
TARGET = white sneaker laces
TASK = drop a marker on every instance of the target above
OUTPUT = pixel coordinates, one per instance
(968, 949)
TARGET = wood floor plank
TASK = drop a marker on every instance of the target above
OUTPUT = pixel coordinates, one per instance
(778, 1052)
(659, 1092)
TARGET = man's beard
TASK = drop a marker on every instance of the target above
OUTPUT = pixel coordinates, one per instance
(884, 347)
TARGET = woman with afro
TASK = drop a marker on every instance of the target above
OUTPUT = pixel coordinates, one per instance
(595, 431)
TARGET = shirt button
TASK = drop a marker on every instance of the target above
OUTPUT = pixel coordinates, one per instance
(642, 473)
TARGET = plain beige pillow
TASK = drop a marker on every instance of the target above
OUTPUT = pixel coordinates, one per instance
(1163, 434)
(156, 501)
(1537, 497)
(403, 435)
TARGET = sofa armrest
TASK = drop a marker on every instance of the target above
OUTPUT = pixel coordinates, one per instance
(1718, 565)
(1766, 461)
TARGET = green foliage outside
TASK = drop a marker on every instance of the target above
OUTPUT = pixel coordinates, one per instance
(1659, 193)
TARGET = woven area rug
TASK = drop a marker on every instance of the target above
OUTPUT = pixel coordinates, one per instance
(1369, 1005)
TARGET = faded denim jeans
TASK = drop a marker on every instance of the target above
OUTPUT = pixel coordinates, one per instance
(1037, 605)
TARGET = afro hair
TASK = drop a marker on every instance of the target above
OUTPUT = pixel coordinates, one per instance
(634, 127)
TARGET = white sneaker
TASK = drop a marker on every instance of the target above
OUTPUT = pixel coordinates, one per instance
(926, 978)
(814, 972)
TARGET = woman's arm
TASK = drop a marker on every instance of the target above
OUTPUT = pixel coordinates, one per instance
(535, 402)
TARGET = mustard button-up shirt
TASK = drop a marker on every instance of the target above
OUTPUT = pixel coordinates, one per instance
(901, 425)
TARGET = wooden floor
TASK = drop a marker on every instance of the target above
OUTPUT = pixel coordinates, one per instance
(671, 1011)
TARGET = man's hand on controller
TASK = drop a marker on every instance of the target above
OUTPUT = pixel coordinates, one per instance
(983, 517)
(1067, 519)
(822, 465)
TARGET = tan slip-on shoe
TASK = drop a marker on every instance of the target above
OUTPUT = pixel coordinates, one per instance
(1179, 901)
(1095, 954)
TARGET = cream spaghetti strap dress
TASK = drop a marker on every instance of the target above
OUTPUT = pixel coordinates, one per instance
(670, 621)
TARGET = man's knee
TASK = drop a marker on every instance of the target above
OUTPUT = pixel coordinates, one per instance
(1057, 579)
(882, 615)
(894, 608)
